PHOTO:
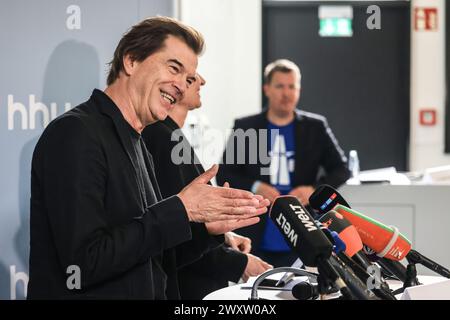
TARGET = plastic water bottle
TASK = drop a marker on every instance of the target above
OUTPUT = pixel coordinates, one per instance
(353, 163)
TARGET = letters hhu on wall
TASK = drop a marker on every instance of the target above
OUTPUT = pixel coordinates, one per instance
(26, 114)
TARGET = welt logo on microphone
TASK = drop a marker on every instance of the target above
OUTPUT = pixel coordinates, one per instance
(304, 217)
(288, 229)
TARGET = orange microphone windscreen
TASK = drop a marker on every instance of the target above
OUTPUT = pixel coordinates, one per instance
(385, 240)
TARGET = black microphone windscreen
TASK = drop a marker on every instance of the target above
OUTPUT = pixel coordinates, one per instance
(300, 231)
(305, 291)
(334, 221)
(325, 198)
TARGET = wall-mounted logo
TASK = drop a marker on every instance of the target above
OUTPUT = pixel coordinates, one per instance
(15, 279)
(27, 114)
(73, 280)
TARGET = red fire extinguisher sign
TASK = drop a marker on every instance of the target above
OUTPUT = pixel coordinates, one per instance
(425, 19)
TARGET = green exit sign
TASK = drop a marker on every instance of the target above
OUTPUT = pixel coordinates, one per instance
(335, 20)
(336, 27)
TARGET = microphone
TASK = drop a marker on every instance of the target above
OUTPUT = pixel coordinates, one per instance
(349, 270)
(415, 257)
(264, 275)
(346, 231)
(325, 198)
(306, 239)
(390, 268)
(339, 245)
(298, 228)
(305, 291)
(387, 241)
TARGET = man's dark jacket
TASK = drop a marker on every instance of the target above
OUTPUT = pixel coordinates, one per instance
(88, 214)
(316, 151)
(212, 271)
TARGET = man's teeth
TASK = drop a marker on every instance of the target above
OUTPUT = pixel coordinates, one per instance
(168, 97)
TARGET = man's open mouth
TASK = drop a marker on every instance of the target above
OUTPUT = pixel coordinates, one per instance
(168, 97)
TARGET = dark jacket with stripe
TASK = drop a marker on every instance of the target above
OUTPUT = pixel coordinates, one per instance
(318, 158)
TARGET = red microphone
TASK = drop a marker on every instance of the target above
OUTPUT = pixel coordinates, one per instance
(386, 241)
(346, 231)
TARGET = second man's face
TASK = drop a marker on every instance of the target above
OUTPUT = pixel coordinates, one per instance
(192, 97)
(283, 92)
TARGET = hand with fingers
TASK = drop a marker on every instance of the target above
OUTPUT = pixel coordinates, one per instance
(255, 266)
(267, 191)
(205, 203)
(302, 193)
(238, 242)
(225, 226)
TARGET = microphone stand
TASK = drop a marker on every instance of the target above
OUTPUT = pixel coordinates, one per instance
(415, 257)
(324, 285)
(410, 279)
(411, 275)
(329, 275)
(299, 272)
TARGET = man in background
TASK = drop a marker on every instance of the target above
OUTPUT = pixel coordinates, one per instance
(303, 154)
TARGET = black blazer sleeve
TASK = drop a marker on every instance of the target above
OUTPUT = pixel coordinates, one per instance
(172, 179)
(231, 170)
(76, 212)
(222, 264)
(333, 158)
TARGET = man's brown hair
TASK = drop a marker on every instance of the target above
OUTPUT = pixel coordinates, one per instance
(147, 37)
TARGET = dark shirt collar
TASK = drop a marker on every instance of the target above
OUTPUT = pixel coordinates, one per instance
(107, 106)
(171, 123)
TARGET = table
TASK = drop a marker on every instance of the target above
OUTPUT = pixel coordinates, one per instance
(238, 291)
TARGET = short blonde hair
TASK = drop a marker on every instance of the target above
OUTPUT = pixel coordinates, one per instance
(281, 65)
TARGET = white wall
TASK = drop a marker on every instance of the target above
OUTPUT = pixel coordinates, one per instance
(428, 90)
(231, 63)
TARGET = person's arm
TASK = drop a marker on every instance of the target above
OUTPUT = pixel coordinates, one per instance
(200, 244)
(229, 264)
(244, 216)
(160, 141)
(255, 266)
(165, 145)
(75, 172)
(231, 170)
(333, 159)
